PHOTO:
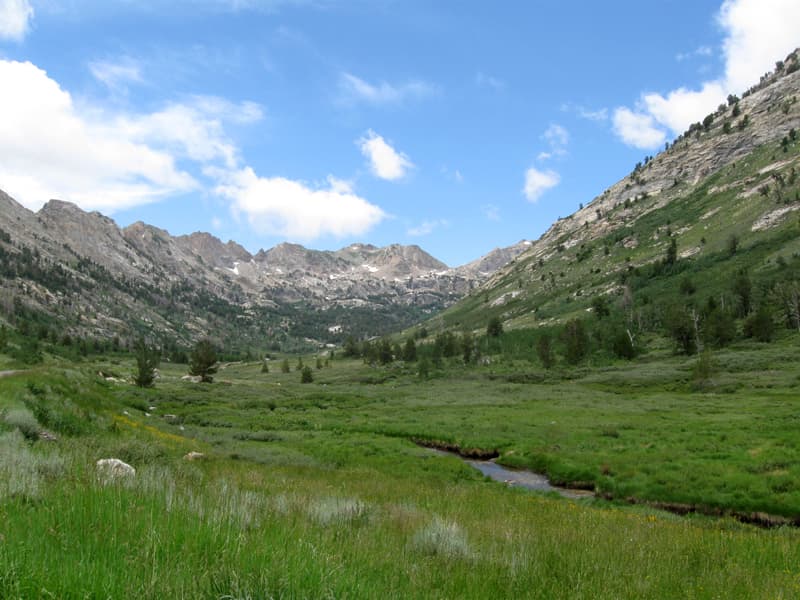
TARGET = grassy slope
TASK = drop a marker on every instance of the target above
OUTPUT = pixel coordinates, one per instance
(312, 490)
(714, 210)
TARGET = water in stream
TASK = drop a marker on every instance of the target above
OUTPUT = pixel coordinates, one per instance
(524, 479)
(518, 478)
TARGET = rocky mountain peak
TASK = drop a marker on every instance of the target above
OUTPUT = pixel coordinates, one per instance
(212, 250)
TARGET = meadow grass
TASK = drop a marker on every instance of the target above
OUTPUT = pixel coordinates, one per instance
(314, 490)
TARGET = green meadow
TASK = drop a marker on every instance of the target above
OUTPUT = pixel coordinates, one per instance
(318, 489)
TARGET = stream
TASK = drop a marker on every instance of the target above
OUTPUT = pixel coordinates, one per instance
(517, 477)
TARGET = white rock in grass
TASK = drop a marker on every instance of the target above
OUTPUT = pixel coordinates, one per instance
(113, 468)
(194, 456)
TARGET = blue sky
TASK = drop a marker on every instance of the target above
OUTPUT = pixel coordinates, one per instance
(456, 125)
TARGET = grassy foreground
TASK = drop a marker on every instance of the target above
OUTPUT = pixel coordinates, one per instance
(316, 491)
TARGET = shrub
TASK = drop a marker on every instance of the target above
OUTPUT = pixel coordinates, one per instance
(702, 371)
(441, 538)
(495, 327)
(576, 341)
(600, 307)
(622, 344)
(22, 419)
(23, 471)
(410, 350)
(680, 327)
(306, 375)
(337, 511)
(544, 350)
(759, 325)
(719, 328)
(424, 368)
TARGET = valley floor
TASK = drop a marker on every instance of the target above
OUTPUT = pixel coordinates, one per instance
(312, 490)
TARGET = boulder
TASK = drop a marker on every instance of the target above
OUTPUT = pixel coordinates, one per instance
(47, 436)
(110, 469)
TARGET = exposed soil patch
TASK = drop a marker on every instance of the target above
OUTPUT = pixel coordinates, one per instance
(760, 519)
(473, 453)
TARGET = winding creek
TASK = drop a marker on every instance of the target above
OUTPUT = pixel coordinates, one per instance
(535, 481)
(516, 477)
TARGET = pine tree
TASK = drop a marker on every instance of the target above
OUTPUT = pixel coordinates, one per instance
(203, 361)
(147, 361)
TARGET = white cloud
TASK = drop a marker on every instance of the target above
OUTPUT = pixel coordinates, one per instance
(597, 115)
(491, 212)
(680, 108)
(454, 175)
(704, 51)
(538, 182)
(757, 33)
(279, 206)
(427, 227)
(54, 147)
(49, 148)
(353, 89)
(484, 80)
(116, 75)
(194, 129)
(340, 186)
(557, 137)
(385, 161)
(637, 129)
(15, 19)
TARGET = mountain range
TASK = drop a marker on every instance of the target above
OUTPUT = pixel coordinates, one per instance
(81, 274)
(730, 179)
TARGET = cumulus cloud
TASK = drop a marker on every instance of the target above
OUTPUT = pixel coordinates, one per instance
(680, 108)
(194, 129)
(353, 90)
(53, 147)
(427, 227)
(637, 129)
(385, 161)
(15, 19)
(49, 148)
(279, 206)
(757, 33)
(538, 182)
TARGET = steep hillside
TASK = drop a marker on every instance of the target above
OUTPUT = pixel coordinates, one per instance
(724, 195)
